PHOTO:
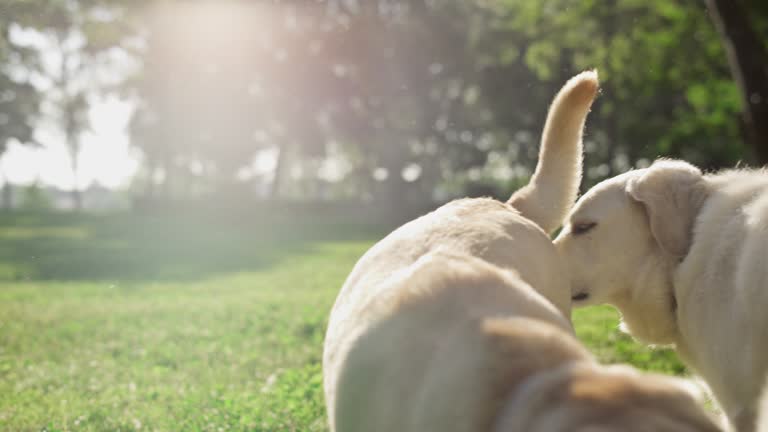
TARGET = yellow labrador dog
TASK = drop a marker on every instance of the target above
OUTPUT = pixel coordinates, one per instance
(457, 321)
(684, 256)
(762, 422)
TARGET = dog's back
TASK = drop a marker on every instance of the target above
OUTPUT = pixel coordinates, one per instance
(481, 228)
(727, 270)
(429, 364)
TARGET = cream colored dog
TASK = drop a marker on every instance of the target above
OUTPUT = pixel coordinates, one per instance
(456, 322)
(762, 422)
(684, 256)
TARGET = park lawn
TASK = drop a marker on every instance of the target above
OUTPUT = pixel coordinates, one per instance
(209, 323)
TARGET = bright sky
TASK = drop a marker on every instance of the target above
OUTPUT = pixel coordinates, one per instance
(105, 157)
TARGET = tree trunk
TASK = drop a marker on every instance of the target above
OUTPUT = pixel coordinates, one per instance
(748, 60)
(274, 190)
(77, 197)
(149, 191)
(70, 107)
(7, 194)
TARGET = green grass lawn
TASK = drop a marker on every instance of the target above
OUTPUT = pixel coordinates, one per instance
(186, 323)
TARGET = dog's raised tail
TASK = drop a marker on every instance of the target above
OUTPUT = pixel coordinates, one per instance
(553, 188)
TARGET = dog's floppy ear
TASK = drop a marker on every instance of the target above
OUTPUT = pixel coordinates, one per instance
(672, 193)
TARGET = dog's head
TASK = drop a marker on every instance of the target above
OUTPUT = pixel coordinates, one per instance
(625, 234)
(589, 397)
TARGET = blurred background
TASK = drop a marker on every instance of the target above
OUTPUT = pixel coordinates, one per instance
(109, 104)
(186, 184)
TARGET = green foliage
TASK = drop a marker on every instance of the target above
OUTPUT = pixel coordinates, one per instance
(667, 90)
(380, 88)
(391, 111)
(185, 336)
(19, 100)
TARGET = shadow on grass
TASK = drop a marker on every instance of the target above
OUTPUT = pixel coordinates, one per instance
(117, 247)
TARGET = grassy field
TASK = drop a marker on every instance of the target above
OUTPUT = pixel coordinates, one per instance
(172, 323)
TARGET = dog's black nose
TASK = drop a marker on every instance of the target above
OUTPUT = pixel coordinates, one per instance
(580, 296)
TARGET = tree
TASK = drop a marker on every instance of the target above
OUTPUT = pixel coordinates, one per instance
(658, 101)
(19, 100)
(69, 83)
(748, 59)
(82, 41)
(415, 96)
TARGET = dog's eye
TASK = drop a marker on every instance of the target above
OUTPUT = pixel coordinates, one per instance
(581, 228)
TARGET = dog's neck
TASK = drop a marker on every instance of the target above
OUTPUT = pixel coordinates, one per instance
(649, 310)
